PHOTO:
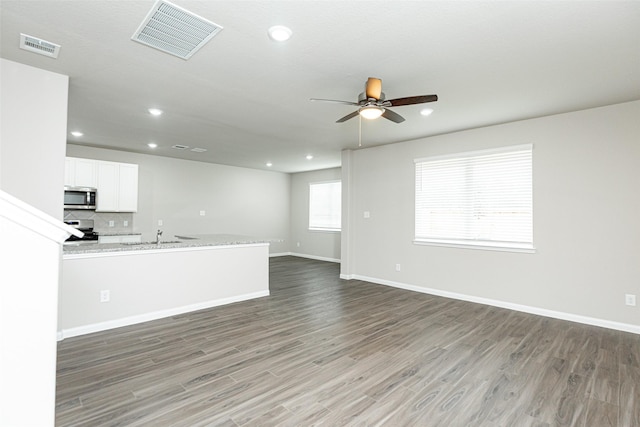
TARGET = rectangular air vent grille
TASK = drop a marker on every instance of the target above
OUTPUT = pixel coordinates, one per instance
(175, 30)
(36, 45)
(180, 147)
(198, 150)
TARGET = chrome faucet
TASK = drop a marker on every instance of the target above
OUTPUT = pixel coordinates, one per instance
(158, 236)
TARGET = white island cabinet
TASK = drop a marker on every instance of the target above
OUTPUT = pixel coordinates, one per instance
(147, 281)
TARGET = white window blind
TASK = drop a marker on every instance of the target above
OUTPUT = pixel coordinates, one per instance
(325, 204)
(480, 198)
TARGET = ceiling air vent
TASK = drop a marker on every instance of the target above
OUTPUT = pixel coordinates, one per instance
(180, 147)
(175, 30)
(36, 45)
(198, 150)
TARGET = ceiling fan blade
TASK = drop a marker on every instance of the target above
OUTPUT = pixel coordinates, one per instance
(336, 101)
(373, 89)
(393, 116)
(410, 100)
(347, 117)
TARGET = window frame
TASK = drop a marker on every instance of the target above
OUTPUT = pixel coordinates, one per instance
(483, 244)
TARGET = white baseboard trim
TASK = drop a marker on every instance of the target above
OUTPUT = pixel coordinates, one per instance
(346, 276)
(279, 254)
(132, 320)
(318, 258)
(625, 327)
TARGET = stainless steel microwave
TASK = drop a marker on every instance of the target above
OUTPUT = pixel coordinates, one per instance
(80, 197)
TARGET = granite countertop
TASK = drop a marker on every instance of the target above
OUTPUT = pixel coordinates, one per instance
(117, 233)
(180, 241)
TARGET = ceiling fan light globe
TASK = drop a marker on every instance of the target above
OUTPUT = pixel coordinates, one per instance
(371, 112)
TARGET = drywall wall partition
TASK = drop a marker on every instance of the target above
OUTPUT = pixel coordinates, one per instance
(234, 200)
(323, 245)
(586, 191)
(33, 117)
(33, 135)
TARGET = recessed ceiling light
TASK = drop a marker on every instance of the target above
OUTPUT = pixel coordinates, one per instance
(76, 133)
(279, 33)
(426, 111)
(155, 111)
(269, 164)
(152, 145)
(309, 157)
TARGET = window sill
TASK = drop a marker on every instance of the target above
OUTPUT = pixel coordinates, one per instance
(485, 246)
(325, 230)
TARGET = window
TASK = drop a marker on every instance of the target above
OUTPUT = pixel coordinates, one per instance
(325, 205)
(477, 199)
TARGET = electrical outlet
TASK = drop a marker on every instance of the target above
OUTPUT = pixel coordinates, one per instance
(125, 223)
(105, 296)
(367, 214)
(112, 223)
(630, 299)
(397, 267)
(159, 223)
(298, 244)
(202, 213)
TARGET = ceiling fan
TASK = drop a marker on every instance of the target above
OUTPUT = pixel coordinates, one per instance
(373, 104)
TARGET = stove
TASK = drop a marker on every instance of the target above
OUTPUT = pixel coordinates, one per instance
(86, 226)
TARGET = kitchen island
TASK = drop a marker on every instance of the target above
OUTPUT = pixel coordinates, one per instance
(105, 286)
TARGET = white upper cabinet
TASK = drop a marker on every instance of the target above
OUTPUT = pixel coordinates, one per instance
(108, 187)
(117, 183)
(80, 172)
(128, 188)
(117, 187)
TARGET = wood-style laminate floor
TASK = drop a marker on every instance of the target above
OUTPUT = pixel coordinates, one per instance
(322, 351)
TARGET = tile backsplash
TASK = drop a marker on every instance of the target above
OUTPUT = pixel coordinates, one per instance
(101, 220)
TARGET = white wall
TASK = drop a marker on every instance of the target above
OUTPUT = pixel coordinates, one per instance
(235, 200)
(33, 113)
(313, 244)
(586, 184)
(33, 122)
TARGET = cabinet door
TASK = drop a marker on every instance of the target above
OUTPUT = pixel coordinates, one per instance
(107, 187)
(109, 239)
(85, 173)
(69, 172)
(131, 238)
(123, 238)
(80, 172)
(128, 186)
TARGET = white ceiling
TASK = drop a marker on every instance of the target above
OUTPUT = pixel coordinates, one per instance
(245, 98)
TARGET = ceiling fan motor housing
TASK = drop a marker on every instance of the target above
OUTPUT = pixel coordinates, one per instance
(362, 98)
